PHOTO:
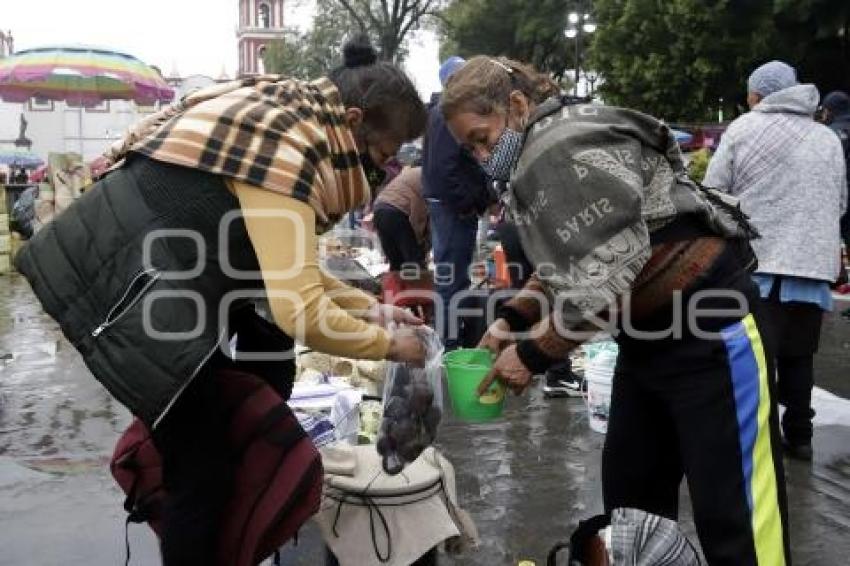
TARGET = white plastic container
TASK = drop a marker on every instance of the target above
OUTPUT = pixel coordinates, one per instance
(599, 374)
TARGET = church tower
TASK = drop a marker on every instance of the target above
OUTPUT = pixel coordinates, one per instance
(260, 21)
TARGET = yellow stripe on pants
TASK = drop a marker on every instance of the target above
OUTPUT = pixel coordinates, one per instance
(766, 516)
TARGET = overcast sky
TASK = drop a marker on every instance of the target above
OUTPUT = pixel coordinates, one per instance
(191, 36)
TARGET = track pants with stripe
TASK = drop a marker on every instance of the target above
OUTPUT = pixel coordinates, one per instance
(703, 409)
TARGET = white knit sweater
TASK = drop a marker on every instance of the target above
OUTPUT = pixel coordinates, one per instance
(789, 173)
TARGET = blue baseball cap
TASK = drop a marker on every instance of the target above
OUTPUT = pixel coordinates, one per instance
(449, 67)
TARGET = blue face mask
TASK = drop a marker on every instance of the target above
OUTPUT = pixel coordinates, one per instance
(504, 155)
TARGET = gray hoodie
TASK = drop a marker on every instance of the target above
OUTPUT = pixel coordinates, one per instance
(788, 172)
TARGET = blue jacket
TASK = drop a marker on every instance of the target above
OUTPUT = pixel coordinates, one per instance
(449, 173)
(841, 126)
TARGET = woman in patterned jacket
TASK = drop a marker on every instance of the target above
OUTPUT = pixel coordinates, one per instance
(622, 240)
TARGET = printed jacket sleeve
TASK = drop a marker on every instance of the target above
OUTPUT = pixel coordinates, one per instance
(524, 309)
(297, 289)
(578, 198)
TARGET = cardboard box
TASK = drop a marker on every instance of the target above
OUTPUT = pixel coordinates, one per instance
(5, 264)
(5, 243)
(4, 223)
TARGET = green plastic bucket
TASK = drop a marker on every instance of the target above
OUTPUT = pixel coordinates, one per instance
(464, 371)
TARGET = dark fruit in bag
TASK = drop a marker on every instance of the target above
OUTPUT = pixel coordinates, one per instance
(385, 445)
(421, 397)
(401, 379)
(392, 464)
(432, 421)
(397, 408)
(411, 450)
(404, 430)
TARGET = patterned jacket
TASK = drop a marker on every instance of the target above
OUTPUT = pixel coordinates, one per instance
(593, 187)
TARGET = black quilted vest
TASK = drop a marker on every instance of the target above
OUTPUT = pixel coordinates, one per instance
(144, 277)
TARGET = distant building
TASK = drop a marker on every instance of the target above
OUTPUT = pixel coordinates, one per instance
(260, 21)
(62, 127)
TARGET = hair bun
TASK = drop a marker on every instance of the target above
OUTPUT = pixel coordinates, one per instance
(358, 52)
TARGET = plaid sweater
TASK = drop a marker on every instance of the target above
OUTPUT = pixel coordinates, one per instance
(284, 135)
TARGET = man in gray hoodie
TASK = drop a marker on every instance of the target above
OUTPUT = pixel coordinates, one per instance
(789, 174)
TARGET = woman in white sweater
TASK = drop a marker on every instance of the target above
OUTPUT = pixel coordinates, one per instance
(788, 172)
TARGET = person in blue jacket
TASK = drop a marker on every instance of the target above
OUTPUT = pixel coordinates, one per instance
(836, 115)
(455, 187)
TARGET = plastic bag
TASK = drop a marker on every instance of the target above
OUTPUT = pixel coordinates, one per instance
(23, 213)
(413, 406)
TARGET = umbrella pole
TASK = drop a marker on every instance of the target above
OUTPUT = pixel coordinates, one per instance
(80, 129)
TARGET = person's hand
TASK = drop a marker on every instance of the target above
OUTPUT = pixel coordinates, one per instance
(382, 314)
(497, 337)
(508, 369)
(406, 347)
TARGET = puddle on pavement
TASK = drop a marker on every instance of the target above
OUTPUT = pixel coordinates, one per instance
(526, 480)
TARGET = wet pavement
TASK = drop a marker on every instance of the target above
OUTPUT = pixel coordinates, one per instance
(526, 480)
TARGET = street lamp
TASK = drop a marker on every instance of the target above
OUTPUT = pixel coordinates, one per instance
(580, 22)
(590, 79)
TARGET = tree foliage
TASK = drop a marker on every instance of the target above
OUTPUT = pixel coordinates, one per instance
(527, 31)
(311, 54)
(814, 35)
(389, 21)
(678, 59)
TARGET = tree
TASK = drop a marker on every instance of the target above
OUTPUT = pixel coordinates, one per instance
(313, 53)
(526, 31)
(814, 36)
(389, 21)
(678, 59)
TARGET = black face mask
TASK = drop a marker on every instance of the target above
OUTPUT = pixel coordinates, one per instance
(374, 174)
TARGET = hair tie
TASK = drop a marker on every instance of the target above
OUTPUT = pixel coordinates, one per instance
(502, 65)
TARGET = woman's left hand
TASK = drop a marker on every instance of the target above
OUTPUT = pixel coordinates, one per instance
(510, 370)
(382, 314)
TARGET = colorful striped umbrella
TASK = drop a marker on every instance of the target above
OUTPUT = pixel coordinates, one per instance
(81, 75)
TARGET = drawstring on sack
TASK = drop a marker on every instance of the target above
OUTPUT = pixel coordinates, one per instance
(369, 504)
(362, 500)
(127, 540)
